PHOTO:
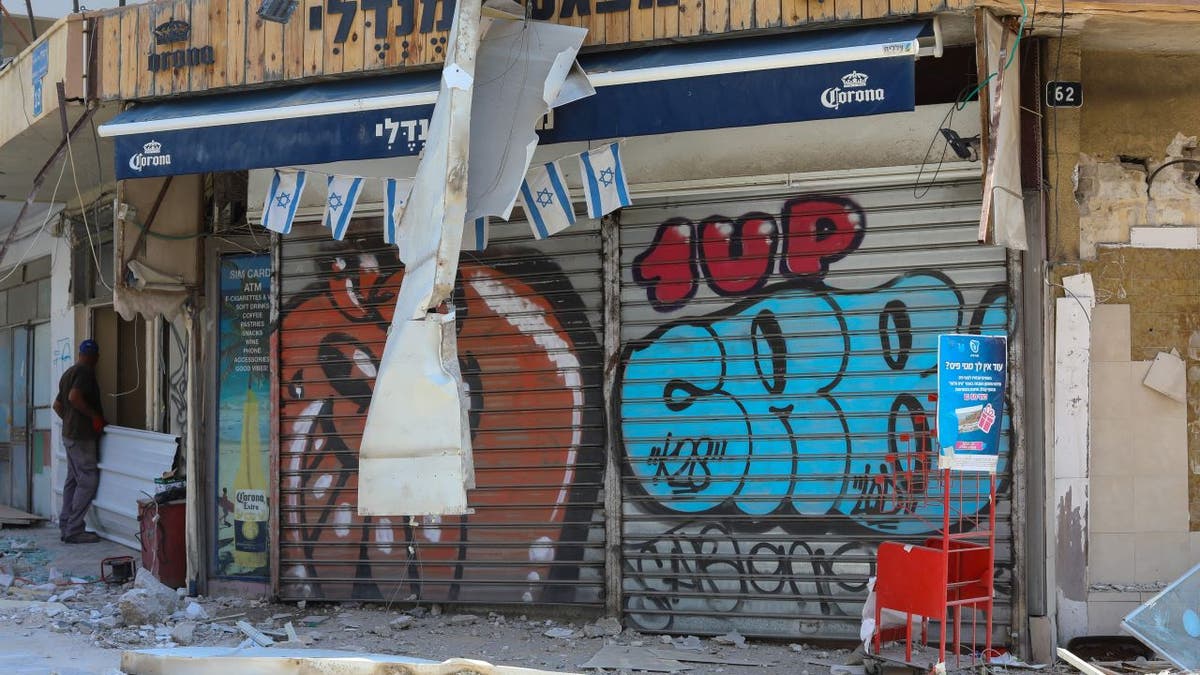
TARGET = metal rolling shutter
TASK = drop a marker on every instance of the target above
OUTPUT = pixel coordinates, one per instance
(529, 321)
(778, 350)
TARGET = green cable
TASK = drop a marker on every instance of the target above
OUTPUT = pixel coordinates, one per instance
(1011, 56)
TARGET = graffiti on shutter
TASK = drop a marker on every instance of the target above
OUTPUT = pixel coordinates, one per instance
(774, 404)
(528, 355)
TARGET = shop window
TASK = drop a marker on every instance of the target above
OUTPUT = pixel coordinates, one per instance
(92, 256)
(25, 293)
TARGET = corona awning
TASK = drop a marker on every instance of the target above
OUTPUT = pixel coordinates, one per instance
(709, 85)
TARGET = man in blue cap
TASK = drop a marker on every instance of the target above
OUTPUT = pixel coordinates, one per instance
(78, 405)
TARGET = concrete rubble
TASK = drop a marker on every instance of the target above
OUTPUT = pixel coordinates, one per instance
(149, 601)
(145, 615)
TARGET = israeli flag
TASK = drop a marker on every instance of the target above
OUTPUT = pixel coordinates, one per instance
(547, 206)
(339, 203)
(395, 200)
(283, 198)
(475, 235)
(604, 184)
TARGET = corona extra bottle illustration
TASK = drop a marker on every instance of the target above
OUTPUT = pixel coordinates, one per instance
(251, 510)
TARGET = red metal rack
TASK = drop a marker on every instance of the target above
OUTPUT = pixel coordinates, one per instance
(953, 572)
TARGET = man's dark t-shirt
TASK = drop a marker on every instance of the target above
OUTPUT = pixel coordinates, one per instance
(76, 425)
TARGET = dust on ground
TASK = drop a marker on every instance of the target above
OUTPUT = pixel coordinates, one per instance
(61, 618)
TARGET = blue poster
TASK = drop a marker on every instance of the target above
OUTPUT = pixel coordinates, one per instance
(243, 486)
(972, 372)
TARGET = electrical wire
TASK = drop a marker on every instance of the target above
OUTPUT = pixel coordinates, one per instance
(99, 275)
(947, 120)
(1062, 29)
(41, 230)
(1012, 55)
(1186, 160)
(136, 364)
(83, 214)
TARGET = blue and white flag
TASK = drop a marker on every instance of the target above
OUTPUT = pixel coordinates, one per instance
(283, 198)
(475, 235)
(604, 184)
(395, 200)
(339, 203)
(547, 206)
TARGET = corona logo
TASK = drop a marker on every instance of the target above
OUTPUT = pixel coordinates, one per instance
(151, 155)
(853, 90)
(172, 31)
(854, 79)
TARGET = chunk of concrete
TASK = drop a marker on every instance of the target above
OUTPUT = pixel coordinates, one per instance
(195, 612)
(139, 606)
(149, 602)
(184, 632)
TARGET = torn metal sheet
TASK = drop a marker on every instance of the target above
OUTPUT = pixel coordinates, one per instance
(427, 469)
(415, 456)
(1003, 201)
(130, 460)
(266, 661)
(522, 69)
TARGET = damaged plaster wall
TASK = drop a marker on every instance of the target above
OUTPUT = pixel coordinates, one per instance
(1116, 199)
(1072, 348)
(1141, 247)
(1162, 290)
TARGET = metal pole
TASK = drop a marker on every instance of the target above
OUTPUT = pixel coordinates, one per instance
(75, 6)
(610, 238)
(32, 23)
(40, 177)
(16, 26)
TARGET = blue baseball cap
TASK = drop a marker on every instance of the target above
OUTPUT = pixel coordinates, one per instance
(89, 348)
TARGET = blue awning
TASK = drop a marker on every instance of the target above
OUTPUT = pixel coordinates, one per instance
(709, 85)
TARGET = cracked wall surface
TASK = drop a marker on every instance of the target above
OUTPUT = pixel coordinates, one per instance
(1140, 242)
(1162, 289)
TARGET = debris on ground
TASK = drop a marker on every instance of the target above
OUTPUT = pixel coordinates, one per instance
(90, 615)
(195, 612)
(731, 638)
(259, 638)
(606, 627)
(184, 632)
(617, 657)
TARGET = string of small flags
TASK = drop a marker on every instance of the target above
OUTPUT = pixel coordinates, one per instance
(543, 194)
